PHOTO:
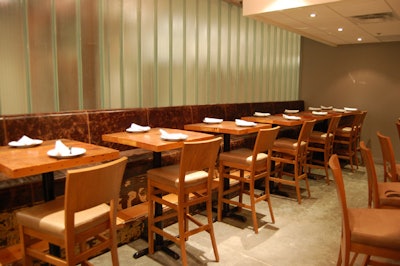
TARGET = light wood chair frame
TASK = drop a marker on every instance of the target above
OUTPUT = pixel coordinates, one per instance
(253, 165)
(377, 190)
(86, 188)
(296, 157)
(345, 143)
(352, 215)
(196, 157)
(324, 146)
(390, 167)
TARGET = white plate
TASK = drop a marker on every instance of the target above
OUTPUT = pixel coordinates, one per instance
(75, 151)
(245, 123)
(291, 117)
(350, 109)
(174, 137)
(287, 111)
(326, 107)
(319, 113)
(314, 108)
(17, 144)
(261, 114)
(136, 130)
(208, 120)
(338, 110)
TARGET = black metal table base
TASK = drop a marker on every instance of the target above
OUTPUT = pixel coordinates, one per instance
(161, 247)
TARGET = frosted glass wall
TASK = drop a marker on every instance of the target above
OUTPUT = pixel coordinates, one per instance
(60, 55)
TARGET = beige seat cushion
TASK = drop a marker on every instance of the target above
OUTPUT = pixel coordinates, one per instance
(370, 225)
(318, 135)
(287, 143)
(169, 175)
(49, 217)
(242, 156)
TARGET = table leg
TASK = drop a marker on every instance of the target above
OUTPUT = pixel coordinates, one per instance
(48, 194)
(227, 211)
(159, 243)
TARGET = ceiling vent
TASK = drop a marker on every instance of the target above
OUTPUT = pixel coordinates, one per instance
(374, 18)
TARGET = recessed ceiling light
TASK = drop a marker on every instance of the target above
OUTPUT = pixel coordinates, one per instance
(359, 39)
(313, 15)
(340, 29)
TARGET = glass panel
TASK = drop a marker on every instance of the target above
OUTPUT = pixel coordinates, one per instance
(75, 54)
(13, 75)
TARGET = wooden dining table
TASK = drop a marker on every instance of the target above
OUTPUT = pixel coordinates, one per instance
(227, 128)
(18, 162)
(151, 140)
(22, 162)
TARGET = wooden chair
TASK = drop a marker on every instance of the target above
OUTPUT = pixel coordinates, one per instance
(292, 152)
(358, 135)
(390, 168)
(345, 143)
(370, 231)
(87, 211)
(253, 165)
(321, 143)
(191, 180)
(380, 194)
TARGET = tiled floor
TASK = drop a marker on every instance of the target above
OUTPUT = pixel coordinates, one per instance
(306, 234)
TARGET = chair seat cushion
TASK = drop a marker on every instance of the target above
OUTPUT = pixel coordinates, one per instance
(49, 217)
(287, 143)
(389, 194)
(169, 175)
(318, 135)
(242, 156)
(375, 227)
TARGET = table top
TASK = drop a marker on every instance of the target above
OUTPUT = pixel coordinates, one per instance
(20, 162)
(151, 140)
(278, 119)
(226, 127)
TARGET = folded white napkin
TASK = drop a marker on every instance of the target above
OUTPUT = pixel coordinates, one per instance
(244, 123)
(314, 108)
(288, 111)
(338, 110)
(350, 109)
(135, 127)
(326, 107)
(61, 149)
(291, 117)
(172, 136)
(212, 120)
(261, 114)
(25, 140)
(319, 113)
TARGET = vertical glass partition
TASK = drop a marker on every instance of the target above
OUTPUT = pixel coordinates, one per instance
(59, 55)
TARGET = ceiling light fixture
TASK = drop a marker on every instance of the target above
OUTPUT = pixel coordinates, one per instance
(359, 39)
(313, 15)
(340, 29)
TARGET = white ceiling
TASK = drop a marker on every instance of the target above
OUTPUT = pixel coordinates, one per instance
(374, 21)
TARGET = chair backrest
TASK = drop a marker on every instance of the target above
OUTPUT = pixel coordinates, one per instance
(91, 186)
(373, 196)
(333, 125)
(306, 130)
(388, 157)
(265, 140)
(334, 164)
(197, 156)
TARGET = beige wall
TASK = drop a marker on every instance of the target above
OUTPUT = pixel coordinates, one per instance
(366, 76)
